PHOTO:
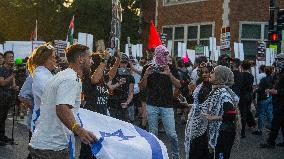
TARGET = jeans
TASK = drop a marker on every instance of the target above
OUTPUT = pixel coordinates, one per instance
(131, 112)
(168, 119)
(265, 106)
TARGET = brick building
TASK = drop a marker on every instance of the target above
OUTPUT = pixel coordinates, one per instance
(194, 21)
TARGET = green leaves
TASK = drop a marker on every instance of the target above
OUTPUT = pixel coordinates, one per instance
(17, 18)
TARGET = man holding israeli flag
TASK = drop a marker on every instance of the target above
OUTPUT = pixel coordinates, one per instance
(60, 99)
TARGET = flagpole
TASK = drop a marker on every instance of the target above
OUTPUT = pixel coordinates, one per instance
(36, 31)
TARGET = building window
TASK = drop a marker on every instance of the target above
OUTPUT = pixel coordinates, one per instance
(173, 2)
(250, 34)
(191, 34)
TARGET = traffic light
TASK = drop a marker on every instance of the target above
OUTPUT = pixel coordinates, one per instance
(280, 21)
(273, 37)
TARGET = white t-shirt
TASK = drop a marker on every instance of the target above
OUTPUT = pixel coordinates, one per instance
(41, 77)
(63, 88)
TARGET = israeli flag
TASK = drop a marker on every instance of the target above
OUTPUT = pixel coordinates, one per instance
(119, 139)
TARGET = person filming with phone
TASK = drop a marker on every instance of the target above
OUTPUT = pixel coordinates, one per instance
(122, 86)
(159, 80)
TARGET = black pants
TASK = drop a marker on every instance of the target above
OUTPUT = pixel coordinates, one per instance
(199, 147)
(246, 114)
(5, 105)
(30, 136)
(224, 145)
(86, 152)
(277, 123)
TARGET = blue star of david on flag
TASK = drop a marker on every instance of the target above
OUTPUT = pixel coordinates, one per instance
(118, 133)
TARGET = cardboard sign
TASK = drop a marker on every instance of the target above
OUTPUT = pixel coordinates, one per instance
(261, 51)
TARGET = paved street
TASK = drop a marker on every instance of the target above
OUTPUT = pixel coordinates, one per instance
(249, 146)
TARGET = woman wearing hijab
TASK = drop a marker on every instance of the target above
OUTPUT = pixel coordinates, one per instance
(221, 112)
(196, 140)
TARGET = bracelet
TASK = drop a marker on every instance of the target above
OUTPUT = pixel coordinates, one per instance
(74, 126)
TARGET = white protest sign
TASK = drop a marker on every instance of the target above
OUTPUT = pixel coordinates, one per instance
(183, 50)
(21, 49)
(179, 49)
(212, 44)
(86, 39)
(169, 46)
(206, 51)
(191, 55)
(1, 48)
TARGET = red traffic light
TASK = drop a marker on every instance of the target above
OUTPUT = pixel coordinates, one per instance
(274, 37)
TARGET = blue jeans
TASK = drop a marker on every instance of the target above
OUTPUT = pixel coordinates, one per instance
(265, 107)
(131, 112)
(168, 119)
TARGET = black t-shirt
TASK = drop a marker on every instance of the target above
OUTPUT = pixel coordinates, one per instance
(246, 87)
(95, 96)
(237, 82)
(5, 90)
(280, 93)
(229, 116)
(264, 84)
(121, 93)
(160, 88)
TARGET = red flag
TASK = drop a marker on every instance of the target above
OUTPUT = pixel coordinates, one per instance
(154, 38)
(185, 59)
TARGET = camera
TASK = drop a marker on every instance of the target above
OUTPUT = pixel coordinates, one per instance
(158, 69)
(123, 71)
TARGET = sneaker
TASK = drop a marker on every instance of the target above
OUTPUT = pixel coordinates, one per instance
(268, 146)
(6, 139)
(2, 143)
(258, 133)
(280, 144)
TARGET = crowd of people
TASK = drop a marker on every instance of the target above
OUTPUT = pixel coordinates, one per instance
(213, 98)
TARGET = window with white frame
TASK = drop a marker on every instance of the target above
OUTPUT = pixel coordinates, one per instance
(191, 34)
(250, 34)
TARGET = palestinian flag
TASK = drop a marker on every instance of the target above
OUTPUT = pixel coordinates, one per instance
(70, 34)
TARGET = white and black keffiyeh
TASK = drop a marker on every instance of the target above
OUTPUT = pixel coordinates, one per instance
(214, 103)
(196, 124)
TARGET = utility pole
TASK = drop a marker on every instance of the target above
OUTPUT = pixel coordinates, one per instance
(116, 24)
(156, 13)
(271, 20)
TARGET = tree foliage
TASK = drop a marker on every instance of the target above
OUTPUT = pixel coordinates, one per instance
(17, 18)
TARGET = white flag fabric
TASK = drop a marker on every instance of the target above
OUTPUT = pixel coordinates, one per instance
(119, 139)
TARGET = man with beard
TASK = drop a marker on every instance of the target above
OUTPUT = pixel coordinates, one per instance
(61, 98)
(158, 79)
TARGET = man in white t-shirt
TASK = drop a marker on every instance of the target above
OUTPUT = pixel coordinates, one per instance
(60, 99)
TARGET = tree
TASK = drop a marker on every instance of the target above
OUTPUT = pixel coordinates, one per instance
(17, 18)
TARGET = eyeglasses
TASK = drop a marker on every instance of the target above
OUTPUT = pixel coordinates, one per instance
(49, 46)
